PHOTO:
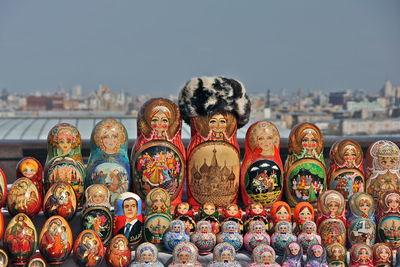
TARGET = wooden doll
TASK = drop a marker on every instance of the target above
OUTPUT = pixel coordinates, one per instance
(234, 213)
(305, 173)
(3, 258)
(204, 239)
(389, 203)
(96, 213)
(283, 235)
(382, 255)
(214, 107)
(37, 261)
(337, 254)
(31, 168)
(309, 235)
(383, 163)
(146, 255)
(361, 255)
(257, 235)
(185, 213)
(108, 161)
(64, 159)
(209, 212)
(332, 231)
(293, 256)
(185, 254)
(3, 188)
(255, 212)
(331, 205)
(361, 205)
(262, 169)
(280, 211)
(88, 249)
(224, 255)
(60, 200)
(55, 240)
(346, 172)
(118, 253)
(158, 157)
(175, 234)
(231, 234)
(361, 230)
(302, 213)
(316, 257)
(389, 218)
(24, 198)
(264, 255)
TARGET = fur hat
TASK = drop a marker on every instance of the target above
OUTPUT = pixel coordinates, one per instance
(206, 95)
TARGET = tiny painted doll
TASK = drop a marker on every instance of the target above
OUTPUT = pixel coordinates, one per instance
(264, 256)
(303, 212)
(316, 257)
(175, 235)
(255, 212)
(389, 203)
(257, 235)
(361, 255)
(185, 254)
(382, 255)
(203, 238)
(337, 254)
(283, 235)
(309, 236)
(280, 211)
(158, 201)
(60, 200)
(118, 253)
(224, 256)
(146, 255)
(209, 212)
(32, 169)
(230, 234)
(332, 231)
(361, 205)
(185, 213)
(361, 230)
(293, 256)
(233, 212)
(331, 205)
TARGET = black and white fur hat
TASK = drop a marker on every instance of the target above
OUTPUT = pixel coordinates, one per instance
(204, 96)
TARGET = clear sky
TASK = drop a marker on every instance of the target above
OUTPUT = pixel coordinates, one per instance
(156, 46)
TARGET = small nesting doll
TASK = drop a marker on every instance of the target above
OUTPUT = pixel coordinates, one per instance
(361, 205)
(55, 240)
(175, 234)
(255, 212)
(283, 235)
(257, 235)
(230, 234)
(37, 261)
(209, 212)
(262, 169)
(108, 161)
(303, 212)
(361, 255)
(146, 255)
(316, 257)
(32, 169)
(305, 173)
(96, 212)
(383, 163)
(346, 172)
(337, 255)
(185, 254)
(233, 212)
(214, 107)
(20, 239)
(389, 218)
(280, 211)
(3, 188)
(203, 238)
(64, 159)
(309, 235)
(264, 256)
(128, 219)
(88, 249)
(60, 200)
(158, 157)
(382, 255)
(224, 255)
(293, 256)
(332, 231)
(3, 258)
(389, 203)
(331, 205)
(24, 198)
(185, 213)
(118, 253)
(361, 230)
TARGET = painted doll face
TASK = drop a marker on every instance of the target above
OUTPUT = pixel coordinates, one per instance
(294, 249)
(265, 140)
(183, 256)
(232, 210)
(177, 228)
(309, 229)
(99, 197)
(209, 209)
(159, 121)
(363, 255)
(204, 229)
(309, 141)
(282, 214)
(110, 140)
(365, 205)
(146, 256)
(393, 202)
(257, 208)
(267, 257)
(388, 163)
(384, 254)
(65, 141)
(283, 229)
(226, 255)
(231, 228)
(183, 208)
(333, 207)
(350, 155)
(130, 208)
(318, 251)
(258, 229)
(337, 253)
(305, 214)
(29, 168)
(217, 123)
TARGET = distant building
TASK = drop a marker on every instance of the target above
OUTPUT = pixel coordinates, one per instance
(45, 103)
(338, 98)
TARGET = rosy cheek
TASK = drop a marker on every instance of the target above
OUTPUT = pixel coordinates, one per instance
(314, 145)
(164, 125)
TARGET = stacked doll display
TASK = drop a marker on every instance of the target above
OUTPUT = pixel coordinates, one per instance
(176, 234)
(185, 254)
(231, 234)
(203, 238)
(264, 256)
(146, 255)
(224, 256)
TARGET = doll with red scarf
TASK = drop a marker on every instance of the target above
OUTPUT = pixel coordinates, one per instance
(185, 213)
(233, 212)
(256, 212)
(32, 169)
(280, 211)
(303, 212)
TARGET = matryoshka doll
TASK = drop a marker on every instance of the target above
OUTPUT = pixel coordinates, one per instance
(203, 238)
(31, 168)
(382, 255)
(60, 200)
(346, 172)
(383, 163)
(37, 261)
(88, 249)
(264, 256)
(64, 159)
(337, 255)
(24, 197)
(230, 234)
(3, 188)
(389, 203)
(146, 255)
(262, 170)
(175, 234)
(158, 157)
(316, 257)
(331, 205)
(389, 218)
(108, 161)
(255, 212)
(118, 253)
(55, 240)
(302, 213)
(293, 256)
(233, 212)
(185, 254)
(361, 255)
(3, 258)
(361, 205)
(224, 255)
(332, 231)
(257, 235)
(283, 235)
(214, 107)
(305, 172)
(96, 213)
(309, 236)
(20, 239)
(128, 219)
(361, 230)
(280, 211)
(185, 213)
(209, 212)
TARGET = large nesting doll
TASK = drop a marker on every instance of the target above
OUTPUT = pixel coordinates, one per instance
(108, 161)
(158, 157)
(305, 173)
(214, 107)
(64, 158)
(346, 172)
(262, 170)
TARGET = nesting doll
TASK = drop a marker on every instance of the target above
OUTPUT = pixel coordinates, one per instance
(332, 231)
(96, 212)
(20, 239)
(361, 205)
(224, 255)
(108, 161)
(389, 218)
(331, 205)
(230, 234)
(3, 188)
(337, 255)
(302, 213)
(118, 253)
(128, 219)
(283, 235)
(214, 107)
(88, 249)
(257, 235)
(262, 169)
(383, 163)
(382, 255)
(361, 255)
(233, 212)
(60, 200)
(280, 211)
(255, 212)
(24, 198)
(361, 230)
(264, 255)
(158, 201)
(55, 240)
(3, 258)
(185, 254)
(175, 234)
(209, 212)
(293, 256)
(185, 213)
(32, 169)
(37, 261)
(309, 235)
(64, 159)
(316, 257)
(203, 238)
(146, 255)
(305, 173)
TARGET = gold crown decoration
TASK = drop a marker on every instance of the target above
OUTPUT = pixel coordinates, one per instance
(387, 149)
